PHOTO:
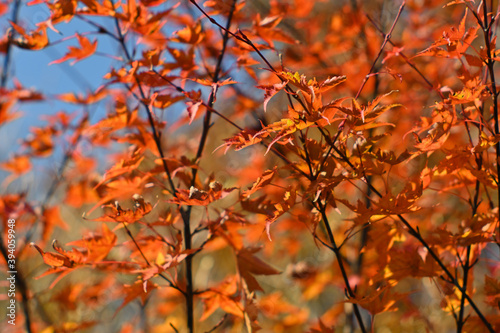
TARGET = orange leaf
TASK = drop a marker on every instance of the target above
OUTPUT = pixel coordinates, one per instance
(35, 40)
(98, 245)
(249, 265)
(138, 289)
(54, 259)
(18, 164)
(260, 182)
(52, 218)
(86, 49)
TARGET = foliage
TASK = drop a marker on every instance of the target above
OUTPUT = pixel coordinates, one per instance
(282, 166)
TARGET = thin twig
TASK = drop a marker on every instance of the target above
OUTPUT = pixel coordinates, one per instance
(336, 250)
(407, 60)
(219, 324)
(156, 136)
(387, 37)
(490, 62)
(8, 51)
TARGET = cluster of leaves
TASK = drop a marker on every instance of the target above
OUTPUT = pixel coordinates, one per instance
(358, 170)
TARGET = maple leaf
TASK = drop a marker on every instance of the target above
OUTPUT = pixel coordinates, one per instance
(6, 113)
(492, 290)
(120, 188)
(403, 263)
(322, 328)
(163, 101)
(196, 197)
(378, 299)
(275, 306)
(182, 59)
(467, 95)
(191, 34)
(52, 218)
(260, 182)
(101, 8)
(114, 212)
(62, 261)
(249, 265)
(62, 10)
(87, 99)
(395, 52)
(18, 164)
(282, 130)
(222, 296)
(403, 203)
(54, 259)
(85, 50)
(124, 166)
(97, 244)
(457, 41)
(80, 193)
(163, 263)
(271, 90)
(269, 32)
(139, 289)
(241, 140)
(192, 109)
(222, 6)
(281, 208)
(41, 141)
(35, 40)
(22, 94)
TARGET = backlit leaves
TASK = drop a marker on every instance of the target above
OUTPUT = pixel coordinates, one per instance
(35, 40)
(198, 197)
(250, 265)
(85, 50)
(364, 193)
(114, 212)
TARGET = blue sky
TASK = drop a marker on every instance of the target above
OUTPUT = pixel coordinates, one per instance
(32, 70)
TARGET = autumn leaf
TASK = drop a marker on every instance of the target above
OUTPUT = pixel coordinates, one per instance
(241, 140)
(191, 34)
(85, 50)
(222, 296)
(377, 299)
(281, 208)
(271, 90)
(139, 289)
(62, 10)
(192, 109)
(86, 99)
(17, 164)
(249, 265)
(54, 259)
(197, 197)
(80, 193)
(114, 212)
(51, 219)
(61, 258)
(97, 244)
(35, 40)
(492, 291)
(260, 182)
